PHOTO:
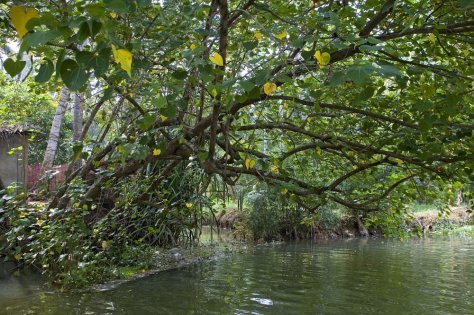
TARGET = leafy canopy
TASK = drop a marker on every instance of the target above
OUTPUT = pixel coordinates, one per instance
(334, 101)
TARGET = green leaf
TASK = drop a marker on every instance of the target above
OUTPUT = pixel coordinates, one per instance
(360, 73)
(95, 9)
(45, 71)
(180, 74)
(247, 85)
(159, 102)
(40, 37)
(120, 6)
(97, 61)
(169, 111)
(389, 71)
(13, 67)
(147, 122)
(370, 48)
(73, 75)
(466, 3)
(250, 45)
(262, 76)
(337, 79)
(88, 28)
(366, 94)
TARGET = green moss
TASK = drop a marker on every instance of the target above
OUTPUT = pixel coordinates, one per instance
(130, 271)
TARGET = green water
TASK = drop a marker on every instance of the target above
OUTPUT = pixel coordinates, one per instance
(431, 276)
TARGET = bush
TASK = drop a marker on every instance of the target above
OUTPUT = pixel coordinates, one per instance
(273, 215)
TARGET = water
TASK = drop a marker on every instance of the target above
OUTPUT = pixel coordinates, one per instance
(431, 276)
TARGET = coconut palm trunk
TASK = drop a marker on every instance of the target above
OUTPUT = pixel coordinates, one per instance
(53, 139)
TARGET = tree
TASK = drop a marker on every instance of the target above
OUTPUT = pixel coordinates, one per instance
(359, 103)
(53, 138)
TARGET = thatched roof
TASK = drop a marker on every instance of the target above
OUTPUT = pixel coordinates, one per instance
(6, 129)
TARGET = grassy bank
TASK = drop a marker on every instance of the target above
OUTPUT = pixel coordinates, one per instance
(453, 221)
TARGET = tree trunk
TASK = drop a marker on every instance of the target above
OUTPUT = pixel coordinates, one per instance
(78, 116)
(77, 124)
(53, 139)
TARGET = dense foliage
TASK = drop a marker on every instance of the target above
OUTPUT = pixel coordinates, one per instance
(361, 105)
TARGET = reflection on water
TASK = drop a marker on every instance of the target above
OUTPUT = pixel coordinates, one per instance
(431, 276)
(213, 234)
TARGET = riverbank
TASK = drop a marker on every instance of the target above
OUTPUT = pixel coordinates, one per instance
(417, 222)
(163, 260)
(457, 219)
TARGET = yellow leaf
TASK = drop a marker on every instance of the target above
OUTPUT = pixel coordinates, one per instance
(193, 46)
(216, 58)
(258, 114)
(432, 38)
(399, 162)
(156, 152)
(322, 58)
(466, 52)
(258, 36)
(189, 204)
(282, 35)
(274, 169)
(104, 244)
(18, 256)
(284, 191)
(269, 88)
(113, 15)
(39, 222)
(20, 18)
(124, 58)
(214, 92)
(318, 150)
(249, 164)
(163, 118)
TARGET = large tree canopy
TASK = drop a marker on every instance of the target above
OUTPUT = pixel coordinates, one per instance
(334, 101)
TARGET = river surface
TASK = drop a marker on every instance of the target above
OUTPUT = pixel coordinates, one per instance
(359, 276)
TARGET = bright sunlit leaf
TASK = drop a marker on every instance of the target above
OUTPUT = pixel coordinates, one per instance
(322, 58)
(282, 35)
(249, 164)
(189, 204)
(20, 18)
(269, 88)
(258, 36)
(124, 58)
(216, 58)
(432, 38)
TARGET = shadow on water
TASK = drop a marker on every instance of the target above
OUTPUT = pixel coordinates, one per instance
(430, 276)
